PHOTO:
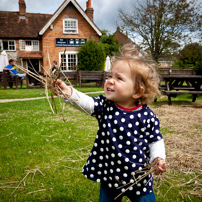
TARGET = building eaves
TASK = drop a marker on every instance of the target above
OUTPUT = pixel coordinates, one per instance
(61, 8)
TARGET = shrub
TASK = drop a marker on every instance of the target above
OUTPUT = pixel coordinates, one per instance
(91, 57)
(111, 44)
(179, 64)
(190, 56)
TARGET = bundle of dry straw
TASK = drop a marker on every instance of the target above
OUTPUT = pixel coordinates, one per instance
(49, 82)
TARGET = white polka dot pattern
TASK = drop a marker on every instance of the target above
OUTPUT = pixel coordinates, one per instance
(121, 146)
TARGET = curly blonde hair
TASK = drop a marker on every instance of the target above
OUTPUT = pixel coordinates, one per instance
(143, 70)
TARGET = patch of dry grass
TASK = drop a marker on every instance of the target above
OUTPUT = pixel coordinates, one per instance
(184, 143)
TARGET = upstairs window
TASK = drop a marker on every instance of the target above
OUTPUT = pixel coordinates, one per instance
(7, 45)
(70, 26)
(29, 45)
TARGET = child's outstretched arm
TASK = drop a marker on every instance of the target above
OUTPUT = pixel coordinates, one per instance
(82, 102)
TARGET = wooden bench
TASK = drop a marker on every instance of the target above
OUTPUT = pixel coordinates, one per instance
(175, 71)
(92, 76)
(72, 76)
(174, 94)
(10, 79)
(181, 84)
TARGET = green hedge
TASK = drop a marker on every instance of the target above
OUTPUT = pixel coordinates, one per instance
(91, 57)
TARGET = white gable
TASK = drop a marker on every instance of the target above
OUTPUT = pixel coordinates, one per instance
(61, 9)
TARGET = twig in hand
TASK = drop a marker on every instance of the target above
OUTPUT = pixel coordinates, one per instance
(147, 171)
(49, 81)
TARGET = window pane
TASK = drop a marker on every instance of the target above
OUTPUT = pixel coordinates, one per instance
(11, 45)
(72, 61)
(22, 44)
(69, 62)
(70, 26)
(64, 63)
(35, 45)
(5, 45)
(28, 43)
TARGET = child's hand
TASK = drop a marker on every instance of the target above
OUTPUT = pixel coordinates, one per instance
(66, 90)
(160, 166)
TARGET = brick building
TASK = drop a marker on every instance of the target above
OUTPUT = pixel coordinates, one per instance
(121, 37)
(42, 38)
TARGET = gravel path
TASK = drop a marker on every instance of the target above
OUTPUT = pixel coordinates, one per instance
(36, 98)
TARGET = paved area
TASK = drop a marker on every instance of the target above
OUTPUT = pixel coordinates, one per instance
(36, 98)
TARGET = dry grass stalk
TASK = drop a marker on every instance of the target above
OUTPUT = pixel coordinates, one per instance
(150, 168)
(36, 191)
(183, 144)
(6, 135)
(28, 172)
(49, 81)
(7, 187)
(9, 183)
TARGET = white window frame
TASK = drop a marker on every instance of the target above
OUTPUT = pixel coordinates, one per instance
(32, 47)
(1, 41)
(67, 56)
(70, 30)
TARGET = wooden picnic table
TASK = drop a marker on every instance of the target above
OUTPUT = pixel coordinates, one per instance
(181, 84)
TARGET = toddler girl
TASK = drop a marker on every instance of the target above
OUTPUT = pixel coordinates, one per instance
(129, 135)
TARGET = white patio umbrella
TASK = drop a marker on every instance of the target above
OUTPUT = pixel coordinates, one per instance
(3, 60)
(107, 64)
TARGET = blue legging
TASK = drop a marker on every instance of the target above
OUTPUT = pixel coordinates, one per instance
(108, 195)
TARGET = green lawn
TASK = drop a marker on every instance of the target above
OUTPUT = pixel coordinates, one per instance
(51, 152)
(12, 93)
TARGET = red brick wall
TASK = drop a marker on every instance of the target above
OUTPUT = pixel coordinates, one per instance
(48, 38)
(22, 8)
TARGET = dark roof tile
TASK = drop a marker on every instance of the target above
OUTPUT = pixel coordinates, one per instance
(11, 26)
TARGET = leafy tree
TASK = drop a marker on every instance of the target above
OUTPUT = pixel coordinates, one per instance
(160, 23)
(91, 57)
(111, 44)
(191, 54)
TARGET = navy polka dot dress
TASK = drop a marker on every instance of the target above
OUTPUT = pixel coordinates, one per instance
(121, 147)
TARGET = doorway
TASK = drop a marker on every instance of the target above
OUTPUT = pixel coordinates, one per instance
(33, 66)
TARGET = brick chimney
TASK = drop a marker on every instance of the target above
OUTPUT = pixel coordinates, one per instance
(89, 10)
(22, 8)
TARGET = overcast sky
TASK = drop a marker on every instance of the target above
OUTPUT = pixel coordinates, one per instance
(105, 11)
